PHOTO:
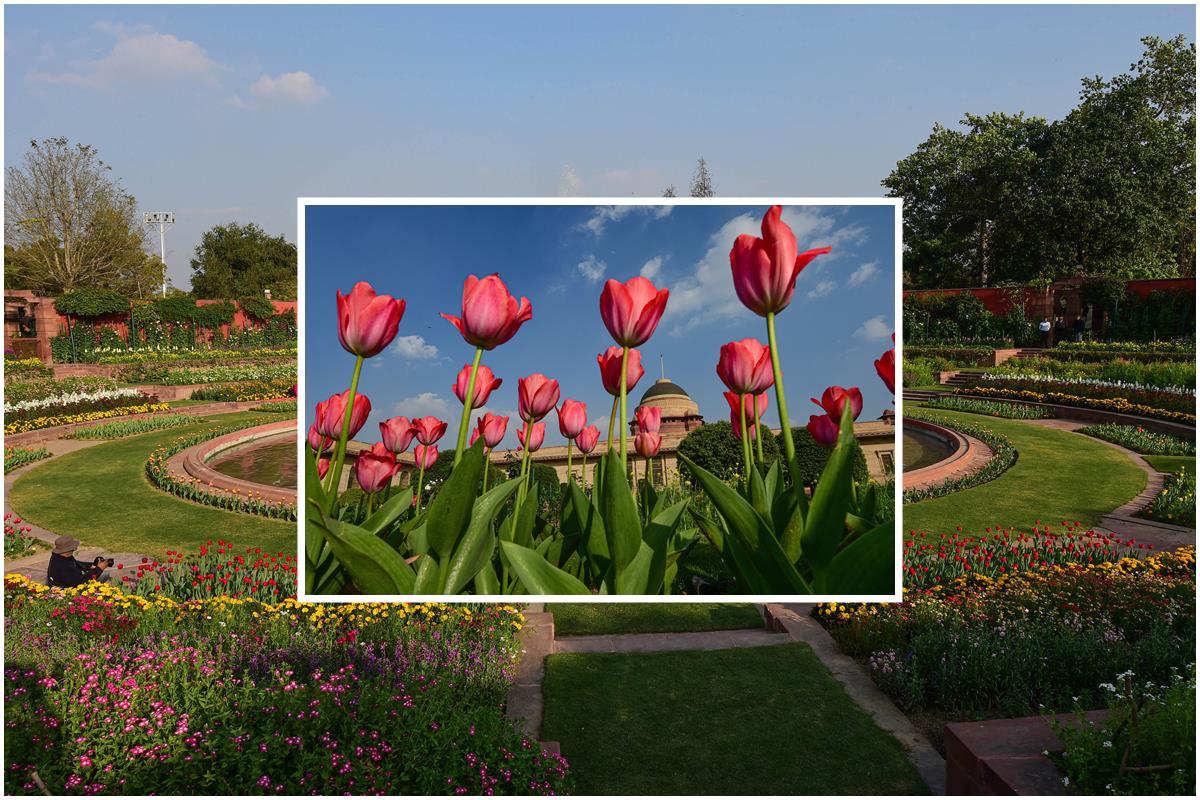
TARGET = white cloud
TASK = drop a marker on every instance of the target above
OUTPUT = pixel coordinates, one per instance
(652, 267)
(414, 348)
(602, 215)
(569, 184)
(423, 405)
(297, 88)
(592, 268)
(874, 329)
(863, 273)
(821, 289)
(142, 56)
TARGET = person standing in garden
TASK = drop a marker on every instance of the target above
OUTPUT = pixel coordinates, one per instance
(1044, 328)
(1079, 327)
(64, 570)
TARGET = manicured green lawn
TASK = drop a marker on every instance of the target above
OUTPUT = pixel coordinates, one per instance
(1058, 476)
(575, 619)
(1172, 463)
(101, 496)
(761, 720)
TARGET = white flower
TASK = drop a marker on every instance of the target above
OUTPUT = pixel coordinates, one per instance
(1108, 744)
(1066, 781)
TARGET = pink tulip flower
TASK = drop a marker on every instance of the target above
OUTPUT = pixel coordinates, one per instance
(765, 270)
(610, 370)
(824, 430)
(485, 384)
(736, 421)
(428, 429)
(490, 315)
(426, 455)
(537, 396)
(319, 443)
(397, 433)
(835, 398)
(885, 366)
(749, 402)
(648, 419)
(587, 438)
(374, 468)
(745, 367)
(332, 412)
(647, 444)
(631, 310)
(572, 416)
(367, 322)
(492, 427)
(536, 437)
(322, 468)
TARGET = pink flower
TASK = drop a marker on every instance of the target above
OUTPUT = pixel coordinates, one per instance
(648, 418)
(397, 433)
(428, 429)
(537, 396)
(885, 366)
(745, 367)
(749, 401)
(572, 416)
(647, 444)
(331, 414)
(490, 315)
(610, 370)
(765, 270)
(631, 310)
(536, 437)
(426, 455)
(824, 430)
(835, 398)
(485, 383)
(492, 427)
(374, 468)
(322, 468)
(587, 438)
(736, 422)
(319, 443)
(367, 323)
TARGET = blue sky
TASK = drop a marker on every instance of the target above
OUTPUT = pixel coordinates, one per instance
(839, 321)
(225, 113)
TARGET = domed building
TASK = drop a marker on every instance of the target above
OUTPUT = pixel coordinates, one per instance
(680, 413)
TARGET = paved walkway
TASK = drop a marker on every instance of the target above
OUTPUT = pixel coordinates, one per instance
(664, 642)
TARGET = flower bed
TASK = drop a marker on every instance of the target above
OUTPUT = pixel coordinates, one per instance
(160, 474)
(38, 423)
(219, 373)
(1173, 398)
(1155, 374)
(17, 541)
(247, 391)
(1176, 503)
(25, 368)
(1004, 455)
(1140, 440)
(217, 570)
(965, 356)
(277, 407)
(131, 427)
(168, 355)
(1116, 405)
(17, 457)
(1027, 642)
(990, 409)
(68, 402)
(107, 692)
(40, 389)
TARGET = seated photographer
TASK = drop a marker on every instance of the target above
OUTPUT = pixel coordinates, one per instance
(65, 570)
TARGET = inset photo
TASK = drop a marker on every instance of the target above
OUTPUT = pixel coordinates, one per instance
(579, 399)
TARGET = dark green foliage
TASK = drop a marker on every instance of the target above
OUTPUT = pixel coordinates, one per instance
(963, 318)
(715, 448)
(1159, 315)
(258, 307)
(91, 303)
(241, 261)
(812, 457)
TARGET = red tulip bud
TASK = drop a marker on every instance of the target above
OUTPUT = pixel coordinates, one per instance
(428, 429)
(332, 412)
(587, 438)
(374, 468)
(745, 367)
(397, 434)
(537, 396)
(492, 427)
(426, 455)
(835, 398)
(647, 444)
(823, 430)
(485, 383)
(572, 416)
(535, 438)
(648, 419)
(765, 270)
(367, 323)
(631, 310)
(610, 370)
(490, 315)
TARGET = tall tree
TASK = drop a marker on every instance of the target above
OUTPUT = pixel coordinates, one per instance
(72, 223)
(702, 185)
(240, 260)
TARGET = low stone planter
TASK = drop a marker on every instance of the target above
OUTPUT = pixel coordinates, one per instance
(1005, 756)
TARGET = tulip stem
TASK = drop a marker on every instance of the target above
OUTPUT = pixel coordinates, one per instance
(612, 421)
(487, 462)
(785, 425)
(420, 486)
(745, 437)
(583, 477)
(466, 415)
(569, 475)
(624, 376)
(758, 433)
(335, 474)
(522, 490)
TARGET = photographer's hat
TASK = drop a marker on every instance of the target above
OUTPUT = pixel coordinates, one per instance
(65, 544)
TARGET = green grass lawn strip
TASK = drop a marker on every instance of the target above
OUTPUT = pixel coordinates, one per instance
(101, 496)
(1059, 475)
(578, 619)
(761, 720)
(1172, 463)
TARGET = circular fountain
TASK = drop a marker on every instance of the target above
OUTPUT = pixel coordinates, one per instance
(259, 462)
(933, 453)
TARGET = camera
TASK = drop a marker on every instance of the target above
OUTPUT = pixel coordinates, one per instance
(102, 561)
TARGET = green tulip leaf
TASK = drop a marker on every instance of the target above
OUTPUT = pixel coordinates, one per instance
(428, 580)
(867, 565)
(538, 575)
(622, 525)
(389, 512)
(486, 581)
(825, 523)
(450, 511)
(635, 578)
(374, 567)
(479, 545)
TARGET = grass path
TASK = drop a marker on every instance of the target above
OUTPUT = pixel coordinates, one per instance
(1058, 476)
(101, 496)
(760, 720)
(1172, 463)
(580, 619)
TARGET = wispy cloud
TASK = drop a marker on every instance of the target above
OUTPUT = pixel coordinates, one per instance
(139, 55)
(821, 289)
(423, 405)
(603, 215)
(291, 88)
(569, 184)
(652, 268)
(876, 328)
(863, 274)
(414, 348)
(592, 269)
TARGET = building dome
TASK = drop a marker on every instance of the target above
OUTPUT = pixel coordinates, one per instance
(680, 413)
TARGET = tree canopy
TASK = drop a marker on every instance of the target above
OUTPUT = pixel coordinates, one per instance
(241, 261)
(1107, 190)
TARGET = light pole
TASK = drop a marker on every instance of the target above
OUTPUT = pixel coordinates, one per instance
(162, 219)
